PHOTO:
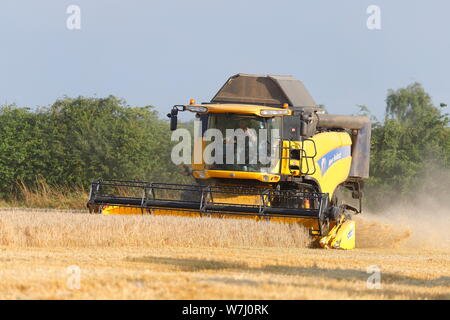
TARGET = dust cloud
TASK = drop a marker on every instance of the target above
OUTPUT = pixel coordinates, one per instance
(407, 225)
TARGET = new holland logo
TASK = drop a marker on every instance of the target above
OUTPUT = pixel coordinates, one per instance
(350, 234)
(332, 157)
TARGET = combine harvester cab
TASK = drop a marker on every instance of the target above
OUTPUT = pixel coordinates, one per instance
(314, 177)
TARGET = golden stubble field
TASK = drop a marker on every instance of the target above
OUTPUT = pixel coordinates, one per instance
(151, 257)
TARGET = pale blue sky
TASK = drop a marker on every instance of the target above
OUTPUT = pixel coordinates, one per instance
(165, 52)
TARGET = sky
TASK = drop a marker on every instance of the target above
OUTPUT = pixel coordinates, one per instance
(163, 53)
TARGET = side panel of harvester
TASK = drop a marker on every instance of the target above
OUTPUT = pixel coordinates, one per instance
(325, 158)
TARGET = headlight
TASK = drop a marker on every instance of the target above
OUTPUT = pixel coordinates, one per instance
(197, 109)
(271, 113)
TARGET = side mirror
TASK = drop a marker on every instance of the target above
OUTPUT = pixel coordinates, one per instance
(173, 123)
(173, 115)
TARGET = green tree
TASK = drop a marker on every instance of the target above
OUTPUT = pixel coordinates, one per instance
(18, 142)
(76, 140)
(413, 140)
(107, 138)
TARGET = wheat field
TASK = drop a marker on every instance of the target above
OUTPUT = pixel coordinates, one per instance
(163, 257)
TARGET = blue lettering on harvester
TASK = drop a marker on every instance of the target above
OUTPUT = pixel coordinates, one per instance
(331, 157)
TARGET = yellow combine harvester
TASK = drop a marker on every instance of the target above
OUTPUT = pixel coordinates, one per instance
(318, 161)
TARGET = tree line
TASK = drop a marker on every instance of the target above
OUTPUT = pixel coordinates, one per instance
(76, 140)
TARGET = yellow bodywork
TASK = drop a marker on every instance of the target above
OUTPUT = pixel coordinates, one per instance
(110, 209)
(341, 236)
(249, 109)
(326, 154)
(324, 142)
(320, 145)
